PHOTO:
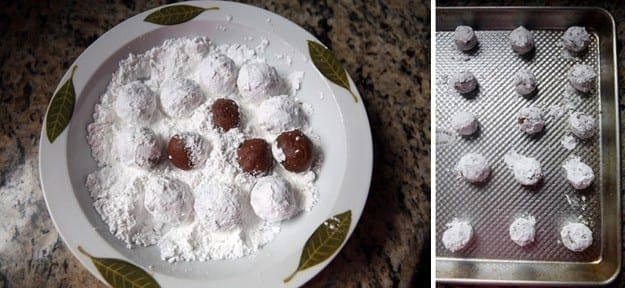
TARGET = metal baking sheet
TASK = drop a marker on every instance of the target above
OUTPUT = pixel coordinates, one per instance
(492, 257)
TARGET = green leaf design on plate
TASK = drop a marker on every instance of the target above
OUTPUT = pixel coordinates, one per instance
(61, 108)
(176, 14)
(119, 273)
(329, 66)
(324, 242)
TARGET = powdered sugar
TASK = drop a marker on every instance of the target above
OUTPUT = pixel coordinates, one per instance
(576, 236)
(578, 173)
(166, 206)
(458, 235)
(568, 142)
(198, 148)
(526, 170)
(522, 230)
(279, 114)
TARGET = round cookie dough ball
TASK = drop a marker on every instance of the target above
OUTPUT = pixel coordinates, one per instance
(295, 151)
(218, 206)
(582, 125)
(226, 114)
(168, 200)
(527, 171)
(576, 39)
(521, 40)
(582, 77)
(458, 235)
(522, 231)
(279, 113)
(576, 236)
(464, 82)
(525, 82)
(473, 167)
(179, 98)
(258, 81)
(530, 120)
(272, 200)
(464, 37)
(218, 73)
(579, 174)
(254, 157)
(139, 147)
(135, 103)
(464, 123)
(187, 150)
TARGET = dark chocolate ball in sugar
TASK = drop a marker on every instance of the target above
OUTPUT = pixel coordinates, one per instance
(254, 156)
(297, 149)
(187, 150)
(225, 114)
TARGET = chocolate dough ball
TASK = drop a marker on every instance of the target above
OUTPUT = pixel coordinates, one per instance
(521, 40)
(296, 148)
(576, 39)
(464, 37)
(187, 150)
(254, 156)
(226, 114)
(582, 77)
(139, 147)
(531, 120)
(582, 125)
(464, 82)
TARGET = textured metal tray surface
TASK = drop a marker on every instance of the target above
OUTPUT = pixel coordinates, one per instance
(492, 206)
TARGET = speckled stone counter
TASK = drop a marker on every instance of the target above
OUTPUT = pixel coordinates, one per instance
(617, 9)
(384, 47)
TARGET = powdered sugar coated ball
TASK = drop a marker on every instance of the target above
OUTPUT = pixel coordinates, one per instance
(135, 103)
(576, 236)
(272, 200)
(521, 40)
(258, 81)
(527, 171)
(168, 200)
(464, 123)
(530, 120)
(582, 125)
(575, 39)
(458, 235)
(522, 231)
(464, 37)
(180, 97)
(582, 77)
(279, 113)
(464, 82)
(473, 167)
(217, 206)
(525, 82)
(579, 174)
(139, 147)
(219, 74)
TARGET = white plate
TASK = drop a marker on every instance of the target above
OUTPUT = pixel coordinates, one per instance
(340, 122)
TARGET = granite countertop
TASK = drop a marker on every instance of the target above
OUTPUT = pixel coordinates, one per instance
(617, 9)
(384, 47)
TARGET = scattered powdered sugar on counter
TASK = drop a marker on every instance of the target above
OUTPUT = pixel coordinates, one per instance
(159, 206)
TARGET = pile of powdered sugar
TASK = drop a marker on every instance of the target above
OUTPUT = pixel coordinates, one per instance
(119, 190)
